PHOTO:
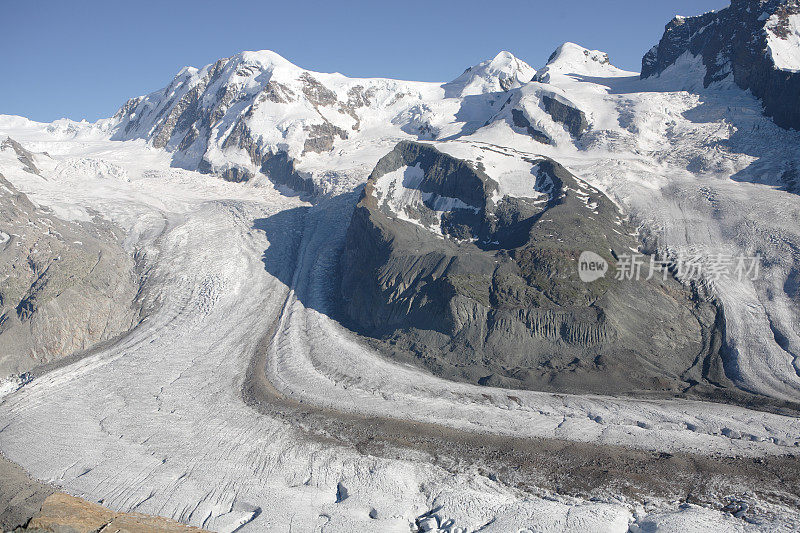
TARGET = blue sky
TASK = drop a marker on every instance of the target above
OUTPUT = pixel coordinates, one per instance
(83, 59)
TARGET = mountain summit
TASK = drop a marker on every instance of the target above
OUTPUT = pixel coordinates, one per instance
(500, 74)
(570, 58)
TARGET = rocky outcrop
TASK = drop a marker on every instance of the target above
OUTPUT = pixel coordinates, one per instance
(24, 156)
(322, 136)
(739, 41)
(20, 496)
(521, 121)
(279, 167)
(27, 505)
(489, 291)
(545, 114)
(67, 285)
(573, 119)
(62, 513)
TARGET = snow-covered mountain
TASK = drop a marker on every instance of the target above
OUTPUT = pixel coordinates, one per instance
(754, 43)
(257, 111)
(359, 356)
(502, 73)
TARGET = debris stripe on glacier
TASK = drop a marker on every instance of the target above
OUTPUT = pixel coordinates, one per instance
(155, 424)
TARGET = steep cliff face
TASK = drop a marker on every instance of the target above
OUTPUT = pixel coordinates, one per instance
(476, 277)
(754, 41)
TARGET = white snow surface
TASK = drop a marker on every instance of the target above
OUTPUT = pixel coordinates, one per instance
(573, 59)
(784, 49)
(500, 74)
(156, 423)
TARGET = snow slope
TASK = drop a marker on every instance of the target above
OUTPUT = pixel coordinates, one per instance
(783, 41)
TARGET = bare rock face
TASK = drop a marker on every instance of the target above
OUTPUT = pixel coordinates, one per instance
(66, 285)
(745, 41)
(488, 291)
(20, 496)
(573, 120)
(62, 513)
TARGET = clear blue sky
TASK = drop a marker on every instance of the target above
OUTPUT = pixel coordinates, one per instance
(83, 59)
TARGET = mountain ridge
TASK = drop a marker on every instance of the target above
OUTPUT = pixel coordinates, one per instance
(754, 42)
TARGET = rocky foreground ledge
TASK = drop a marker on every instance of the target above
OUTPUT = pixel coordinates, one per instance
(31, 506)
(63, 513)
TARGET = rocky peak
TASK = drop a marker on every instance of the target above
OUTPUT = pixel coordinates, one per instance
(756, 43)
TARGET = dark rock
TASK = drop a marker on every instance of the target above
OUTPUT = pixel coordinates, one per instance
(573, 119)
(322, 136)
(280, 169)
(521, 121)
(316, 92)
(499, 301)
(734, 41)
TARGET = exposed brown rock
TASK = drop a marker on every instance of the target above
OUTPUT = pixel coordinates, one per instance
(62, 513)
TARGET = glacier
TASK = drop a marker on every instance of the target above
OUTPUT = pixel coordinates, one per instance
(239, 404)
